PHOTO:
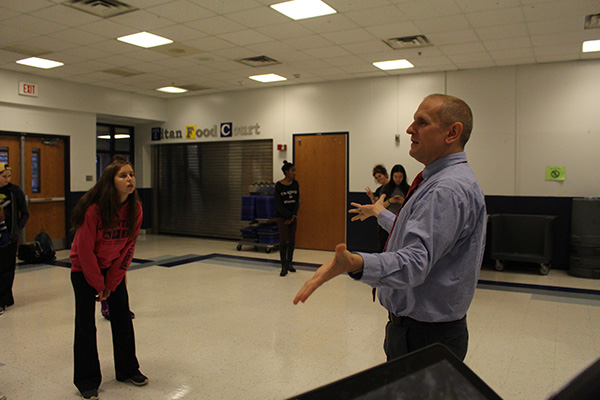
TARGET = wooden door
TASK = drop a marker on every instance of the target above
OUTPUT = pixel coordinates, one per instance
(321, 171)
(46, 190)
(44, 185)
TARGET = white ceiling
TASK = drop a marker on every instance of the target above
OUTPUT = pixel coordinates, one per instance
(464, 34)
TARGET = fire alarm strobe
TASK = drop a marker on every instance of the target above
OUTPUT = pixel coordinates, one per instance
(282, 147)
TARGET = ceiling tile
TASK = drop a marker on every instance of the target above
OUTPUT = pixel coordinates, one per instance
(65, 15)
(245, 37)
(394, 30)
(509, 54)
(502, 31)
(108, 29)
(485, 5)
(328, 23)
(349, 36)
(429, 8)
(259, 16)
(179, 33)
(215, 25)
(507, 44)
(566, 23)
(142, 20)
(555, 10)
(77, 36)
(223, 6)
(504, 16)
(377, 16)
(326, 52)
(442, 24)
(286, 30)
(34, 24)
(464, 36)
(462, 48)
(26, 6)
(180, 11)
(307, 42)
(210, 43)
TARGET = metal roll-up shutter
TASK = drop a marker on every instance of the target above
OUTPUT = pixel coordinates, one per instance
(200, 185)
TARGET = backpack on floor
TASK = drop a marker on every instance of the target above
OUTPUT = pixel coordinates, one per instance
(31, 252)
(48, 253)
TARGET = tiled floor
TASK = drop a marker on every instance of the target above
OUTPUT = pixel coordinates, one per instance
(223, 327)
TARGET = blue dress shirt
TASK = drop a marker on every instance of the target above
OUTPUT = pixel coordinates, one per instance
(431, 265)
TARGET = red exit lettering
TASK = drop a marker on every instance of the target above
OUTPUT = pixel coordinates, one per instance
(29, 88)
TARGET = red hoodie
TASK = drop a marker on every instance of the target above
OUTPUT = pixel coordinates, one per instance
(95, 248)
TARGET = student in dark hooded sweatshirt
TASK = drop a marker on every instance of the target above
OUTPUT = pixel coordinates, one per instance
(287, 201)
(14, 205)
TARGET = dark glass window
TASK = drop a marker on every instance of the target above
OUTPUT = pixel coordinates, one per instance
(4, 154)
(36, 171)
(112, 140)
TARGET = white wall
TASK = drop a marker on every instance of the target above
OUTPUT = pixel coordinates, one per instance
(525, 118)
(70, 109)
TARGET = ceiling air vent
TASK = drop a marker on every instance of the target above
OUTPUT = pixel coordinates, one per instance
(100, 8)
(592, 21)
(260, 61)
(407, 42)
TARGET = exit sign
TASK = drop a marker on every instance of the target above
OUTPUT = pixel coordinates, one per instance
(28, 89)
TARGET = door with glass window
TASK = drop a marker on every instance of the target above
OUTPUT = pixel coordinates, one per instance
(38, 167)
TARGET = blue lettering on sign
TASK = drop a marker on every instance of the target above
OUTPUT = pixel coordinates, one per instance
(156, 133)
(226, 129)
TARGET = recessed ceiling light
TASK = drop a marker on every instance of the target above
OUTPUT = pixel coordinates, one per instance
(590, 45)
(40, 63)
(172, 89)
(122, 136)
(104, 137)
(302, 9)
(145, 40)
(266, 78)
(393, 64)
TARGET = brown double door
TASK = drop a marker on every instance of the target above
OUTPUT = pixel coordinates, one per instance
(321, 171)
(44, 182)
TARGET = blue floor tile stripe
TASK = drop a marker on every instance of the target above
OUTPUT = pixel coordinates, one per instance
(482, 284)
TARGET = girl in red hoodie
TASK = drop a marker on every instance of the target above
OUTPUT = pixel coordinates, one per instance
(106, 222)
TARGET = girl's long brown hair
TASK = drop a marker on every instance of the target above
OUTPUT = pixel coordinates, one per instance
(105, 195)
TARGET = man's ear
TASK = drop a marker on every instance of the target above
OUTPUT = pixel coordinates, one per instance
(454, 132)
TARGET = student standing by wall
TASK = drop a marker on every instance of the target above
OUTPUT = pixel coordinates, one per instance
(287, 202)
(14, 205)
(107, 222)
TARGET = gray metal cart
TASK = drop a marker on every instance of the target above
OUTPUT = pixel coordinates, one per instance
(522, 237)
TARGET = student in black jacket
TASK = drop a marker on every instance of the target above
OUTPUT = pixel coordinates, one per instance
(14, 205)
(287, 201)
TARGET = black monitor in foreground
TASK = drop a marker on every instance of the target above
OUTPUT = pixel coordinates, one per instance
(432, 373)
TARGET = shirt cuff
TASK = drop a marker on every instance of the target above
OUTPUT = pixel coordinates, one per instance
(371, 272)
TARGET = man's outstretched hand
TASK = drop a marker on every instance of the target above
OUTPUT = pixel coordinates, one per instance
(341, 263)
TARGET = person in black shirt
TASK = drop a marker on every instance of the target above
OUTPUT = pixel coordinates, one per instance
(12, 200)
(287, 201)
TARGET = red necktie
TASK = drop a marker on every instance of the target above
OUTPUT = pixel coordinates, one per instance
(416, 182)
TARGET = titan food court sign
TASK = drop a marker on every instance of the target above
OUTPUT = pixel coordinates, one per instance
(224, 130)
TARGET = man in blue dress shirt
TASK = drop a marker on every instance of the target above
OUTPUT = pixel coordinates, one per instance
(427, 274)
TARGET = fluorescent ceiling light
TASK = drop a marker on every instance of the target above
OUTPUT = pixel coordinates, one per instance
(590, 45)
(117, 136)
(393, 64)
(302, 9)
(40, 63)
(268, 78)
(145, 40)
(172, 89)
